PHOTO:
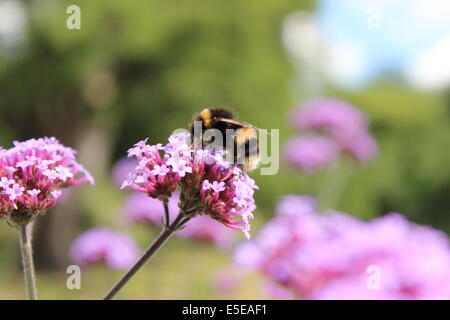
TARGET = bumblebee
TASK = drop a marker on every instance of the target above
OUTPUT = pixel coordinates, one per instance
(244, 141)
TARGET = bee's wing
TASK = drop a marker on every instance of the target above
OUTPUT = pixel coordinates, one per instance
(243, 124)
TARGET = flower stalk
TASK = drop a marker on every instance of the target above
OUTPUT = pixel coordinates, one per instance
(208, 185)
(165, 234)
(27, 260)
(165, 202)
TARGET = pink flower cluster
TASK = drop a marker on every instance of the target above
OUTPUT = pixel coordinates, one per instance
(117, 250)
(336, 256)
(332, 126)
(208, 184)
(143, 209)
(33, 172)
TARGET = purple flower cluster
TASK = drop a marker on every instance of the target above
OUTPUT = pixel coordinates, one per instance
(32, 174)
(208, 184)
(333, 256)
(333, 127)
(117, 250)
(143, 209)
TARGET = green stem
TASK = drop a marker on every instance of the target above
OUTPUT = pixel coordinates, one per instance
(27, 260)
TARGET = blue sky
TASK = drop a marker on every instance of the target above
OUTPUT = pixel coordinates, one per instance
(407, 29)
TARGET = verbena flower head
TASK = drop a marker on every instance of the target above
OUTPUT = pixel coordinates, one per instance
(32, 174)
(117, 250)
(208, 184)
(346, 127)
(319, 256)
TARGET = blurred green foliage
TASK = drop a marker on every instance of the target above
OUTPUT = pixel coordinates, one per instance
(411, 174)
(144, 67)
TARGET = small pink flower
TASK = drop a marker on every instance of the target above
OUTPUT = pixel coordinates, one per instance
(206, 185)
(218, 186)
(5, 182)
(63, 173)
(34, 192)
(15, 192)
(160, 170)
(181, 168)
(51, 174)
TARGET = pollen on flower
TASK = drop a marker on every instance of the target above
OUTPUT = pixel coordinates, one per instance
(206, 181)
(33, 172)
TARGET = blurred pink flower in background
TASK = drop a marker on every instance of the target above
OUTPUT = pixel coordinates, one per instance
(205, 229)
(278, 292)
(363, 147)
(226, 280)
(310, 152)
(121, 169)
(140, 208)
(117, 250)
(332, 115)
(327, 256)
(342, 127)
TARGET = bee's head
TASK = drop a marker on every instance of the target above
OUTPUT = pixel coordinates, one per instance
(206, 117)
(209, 119)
